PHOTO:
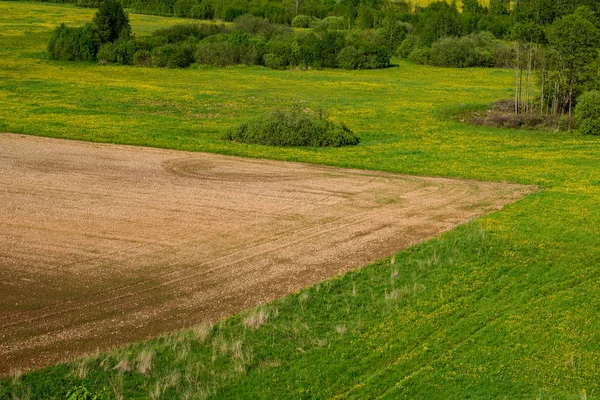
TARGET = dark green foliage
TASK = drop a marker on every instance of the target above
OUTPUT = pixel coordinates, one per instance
(407, 46)
(335, 23)
(393, 33)
(295, 127)
(420, 55)
(587, 113)
(254, 41)
(74, 44)
(186, 32)
(232, 13)
(573, 43)
(471, 6)
(183, 8)
(175, 55)
(475, 50)
(142, 58)
(350, 58)
(202, 11)
(364, 57)
(301, 21)
(88, 3)
(499, 7)
(119, 52)
(275, 61)
(236, 48)
(499, 25)
(438, 20)
(261, 27)
(112, 21)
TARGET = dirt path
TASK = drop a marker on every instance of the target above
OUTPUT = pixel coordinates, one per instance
(102, 245)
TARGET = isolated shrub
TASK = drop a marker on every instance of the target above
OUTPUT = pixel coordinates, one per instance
(175, 55)
(301, 21)
(587, 113)
(295, 127)
(74, 44)
(119, 52)
(112, 21)
(420, 55)
(407, 46)
(142, 58)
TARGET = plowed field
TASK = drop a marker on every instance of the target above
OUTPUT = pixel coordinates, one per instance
(101, 245)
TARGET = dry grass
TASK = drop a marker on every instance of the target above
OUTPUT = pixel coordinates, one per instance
(341, 329)
(144, 360)
(123, 365)
(202, 332)
(256, 318)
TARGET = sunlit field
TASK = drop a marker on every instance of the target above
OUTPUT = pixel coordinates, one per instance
(503, 307)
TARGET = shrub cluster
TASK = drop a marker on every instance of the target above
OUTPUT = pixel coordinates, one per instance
(109, 32)
(255, 41)
(74, 44)
(249, 41)
(475, 50)
(295, 127)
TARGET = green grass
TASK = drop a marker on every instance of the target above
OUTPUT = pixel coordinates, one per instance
(503, 307)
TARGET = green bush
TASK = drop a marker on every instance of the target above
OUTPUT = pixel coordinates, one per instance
(274, 61)
(142, 57)
(74, 44)
(236, 48)
(186, 32)
(261, 27)
(407, 46)
(295, 127)
(183, 8)
(119, 52)
(587, 113)
(203, 11)
(232, 13)
(179, 55)
(420, 55)
(112, 21)
(475, 50)
(350, 58)
(335, 23)
(301, 21)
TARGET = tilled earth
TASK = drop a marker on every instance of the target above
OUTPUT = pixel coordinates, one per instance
(102, 245)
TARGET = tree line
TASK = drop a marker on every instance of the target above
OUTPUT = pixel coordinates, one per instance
(250, 41)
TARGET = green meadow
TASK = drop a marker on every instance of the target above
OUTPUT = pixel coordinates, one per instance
(506, 306)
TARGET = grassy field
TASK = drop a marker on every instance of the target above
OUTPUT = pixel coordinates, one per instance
(503, 307)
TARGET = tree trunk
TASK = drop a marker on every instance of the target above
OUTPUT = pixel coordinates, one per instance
(517, 80)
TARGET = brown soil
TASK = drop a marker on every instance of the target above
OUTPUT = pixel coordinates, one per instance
(101, 245)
